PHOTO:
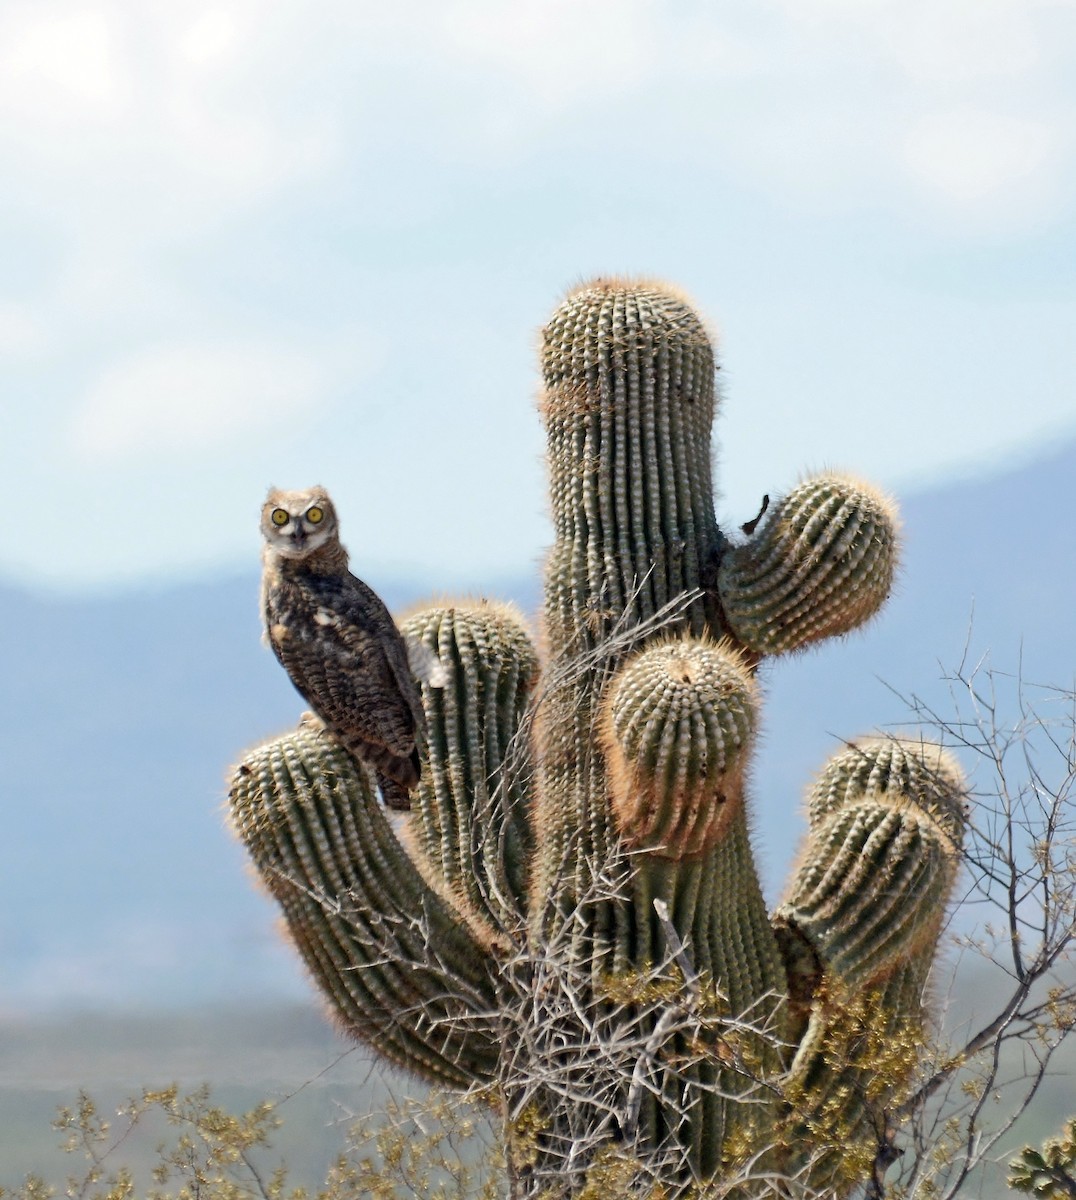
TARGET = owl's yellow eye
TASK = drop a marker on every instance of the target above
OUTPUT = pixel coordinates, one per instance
(280, 517)
(314, 515)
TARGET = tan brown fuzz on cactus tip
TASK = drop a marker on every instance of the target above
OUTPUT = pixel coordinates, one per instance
(603, 325)
(895, 770)
(631, 285)
(483, 609)
(821, 564)
(677, 723)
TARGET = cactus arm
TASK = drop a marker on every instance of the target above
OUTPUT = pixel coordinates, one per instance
(872, 893)
(869, 896)
(400, 969)
(887, 821)
(820, 564)
(470, 816)
(677, 723)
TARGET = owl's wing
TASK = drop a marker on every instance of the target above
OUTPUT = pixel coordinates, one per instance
(350, 663)
(397, 650)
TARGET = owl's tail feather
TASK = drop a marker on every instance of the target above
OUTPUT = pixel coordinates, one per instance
(394, 794)
(395, 776)
(404, 771)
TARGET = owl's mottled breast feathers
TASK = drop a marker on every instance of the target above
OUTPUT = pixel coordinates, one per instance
(330, 636)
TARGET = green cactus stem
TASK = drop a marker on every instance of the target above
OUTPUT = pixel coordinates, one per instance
(629, 403)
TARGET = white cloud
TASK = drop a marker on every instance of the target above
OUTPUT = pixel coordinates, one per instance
(206, 110)
(974, 159)
(174, 399)
(154, 114)
(551, 45)
(209, 37)
(927, 107)
(960, 41)
(931, 41)
(60, 65)
(192, 176)
(21, 332)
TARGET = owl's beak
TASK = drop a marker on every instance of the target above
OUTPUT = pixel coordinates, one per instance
(298, 536)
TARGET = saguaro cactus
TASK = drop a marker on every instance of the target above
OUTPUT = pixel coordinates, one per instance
(573, 922)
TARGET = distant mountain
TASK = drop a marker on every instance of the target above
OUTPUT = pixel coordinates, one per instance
(119, 884)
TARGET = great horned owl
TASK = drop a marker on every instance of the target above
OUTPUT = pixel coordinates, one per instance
(337, 641)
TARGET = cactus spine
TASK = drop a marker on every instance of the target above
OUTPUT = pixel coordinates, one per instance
(575, 919)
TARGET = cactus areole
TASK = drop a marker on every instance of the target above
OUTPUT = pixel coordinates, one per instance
(572, 925)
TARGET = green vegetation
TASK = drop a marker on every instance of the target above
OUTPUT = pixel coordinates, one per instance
(1049, 1172)
(430, 1149)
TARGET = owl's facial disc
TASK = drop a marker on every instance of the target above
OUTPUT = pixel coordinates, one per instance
(316, 533)
(298, 523)
(302, 534)
(293, 539)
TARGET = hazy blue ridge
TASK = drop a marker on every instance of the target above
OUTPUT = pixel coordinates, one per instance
(120, 884)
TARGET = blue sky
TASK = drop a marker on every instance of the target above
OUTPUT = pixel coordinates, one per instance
(253, 243)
